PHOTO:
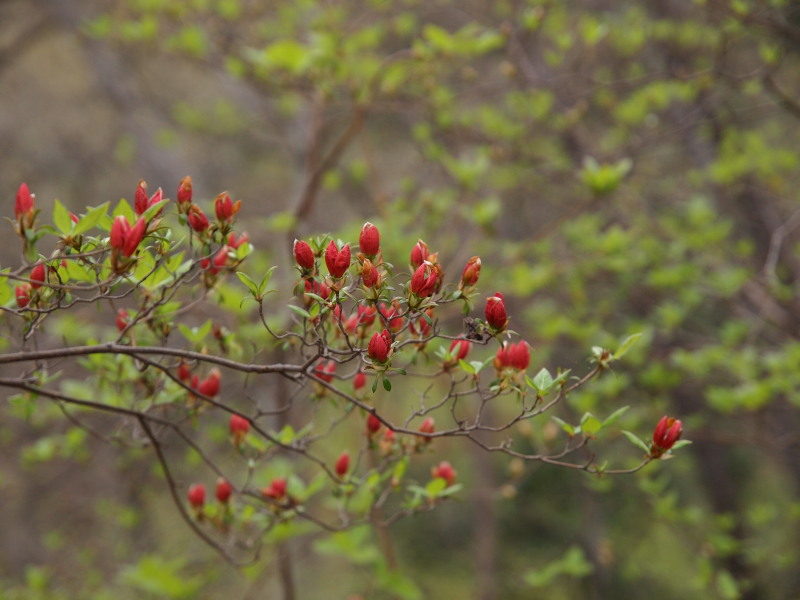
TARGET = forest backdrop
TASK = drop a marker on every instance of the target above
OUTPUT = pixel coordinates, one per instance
(620, 168)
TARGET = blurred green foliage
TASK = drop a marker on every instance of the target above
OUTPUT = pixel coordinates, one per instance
(619, 169)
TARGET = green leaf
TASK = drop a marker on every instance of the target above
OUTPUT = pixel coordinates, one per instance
(680, 444)
(300, 311)
(590, 425)
(265, 280)
(152, 211)
(636, 441)
(387, 385)
(626, 345)
(543, 381)
(467, 367)
(615, 415)
(90, 219)
(564, 425)
(61, 218)
(251, 285)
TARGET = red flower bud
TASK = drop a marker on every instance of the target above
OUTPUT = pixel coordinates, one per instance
(421, 327)
(211, 384)
(459, 349)
(370, 240)
(303, 255)
(392, 316)
(428, 426)
(134, 237)
(419, 253)
(359, 381)
(423, 282)
(343, 464)
(234, 241)
(276, 489)
(380, 346)
(220, 261)
(185, 191)
(373, 424)
(23, 294)
(224, 490)
(122, 319)
(197, 495)
(519, 355)
(119, 232)
(366, 315)
(155, 199)
(37, 276)
(24, 206)
(184, 371)
(239, 426)
(140, 203)
(472, 272)
(444, 471)
(325, 372)
(197, 219)
(496, 312)
(370, 276)
(337, 261)
(225, 208)
(667, 432)
(73, 217)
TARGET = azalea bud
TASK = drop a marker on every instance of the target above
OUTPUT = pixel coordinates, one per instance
(428, 426)
(366, 315)
(184, 193)
(370, 240)
(23, 294)
(519, 355)
(343, 464)
(373, 424)
(211, 384)
(380, 346)
(421, 327)
(303, 255)
(667, 432)
(276, 489)
(155, 199)
(370, 276)
(73, 217)
(337, 261)
(359, 381)
(459, 349)
(444, 471)
(140, 203)
(24, 207)
(239, 426)
(325, 372)
(496, 312)
(235, 241)
(224, 490)
(423, 282)
(133, 237)
(184, 371)
(37, 276)
(471, 273)
(197, 495)
(119, 232)
(197, 219)
(225, 208)
(122, 319)
(220, 261)
(392, 316)
(419, 253)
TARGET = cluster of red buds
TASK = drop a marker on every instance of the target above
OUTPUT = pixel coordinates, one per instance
(197, 496)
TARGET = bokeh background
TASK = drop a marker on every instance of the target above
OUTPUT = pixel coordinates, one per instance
(619, 167)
